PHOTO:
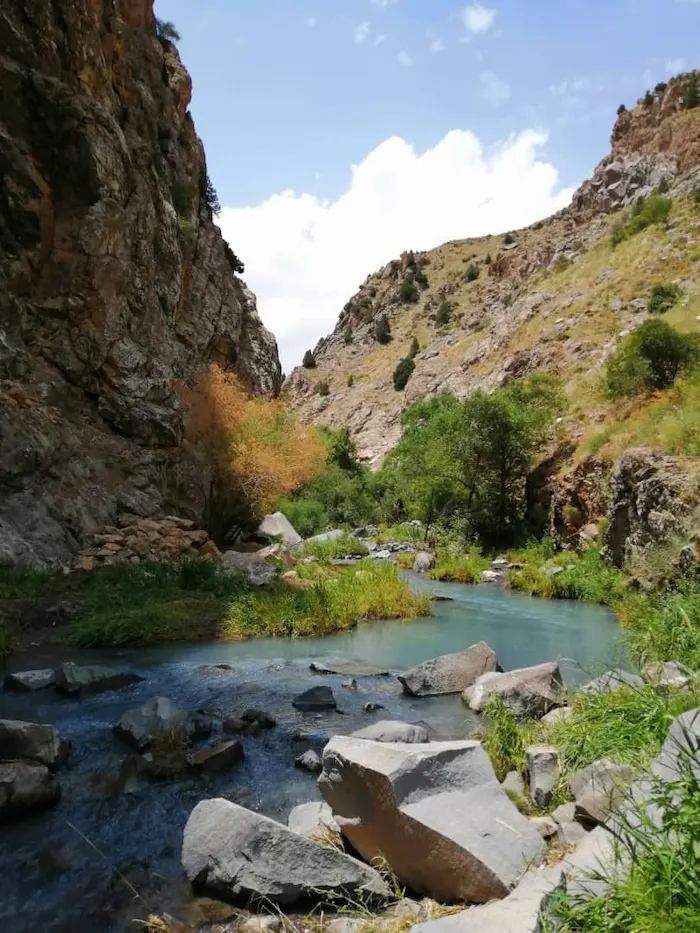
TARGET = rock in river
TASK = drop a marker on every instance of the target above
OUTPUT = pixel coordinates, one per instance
(387, 730)
(25, 786)
(436, 813)
(217, 758)
(137, 727)
(34, 742)
(450, 673)
(233, 853)
(77, 681)
(315, 699)
(309, 761)
(23, 681)
(528, 691)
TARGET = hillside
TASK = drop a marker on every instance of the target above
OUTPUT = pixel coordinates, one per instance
(554, 297)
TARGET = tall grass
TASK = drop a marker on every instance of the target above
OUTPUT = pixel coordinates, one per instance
(586, 578)
(460, 568)
(335, 549)
(665, 627)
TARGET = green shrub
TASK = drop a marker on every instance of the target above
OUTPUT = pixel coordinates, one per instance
(166, 31)
(696, 196)
(503, 741)
(488, 259)
(207, 193)
(508, 239)
(460, 568)
(408, 292)
(646, 213)
(181, 191)
(403, 372)
(184, 227)
(660, 87)
(309, 361)
(323, 388)
(8, 641)
(351, 381)
(472, 272)
(650, 359)
(508, 299)
(382, 329)
(621, 109)
(347, 335)
(665, 627)
(234, 262)
(420, 277)
(414, 349)
(691, 96)
(337, 548)
(663, 298)
(444, 313)
(648, 99)
(663, 187)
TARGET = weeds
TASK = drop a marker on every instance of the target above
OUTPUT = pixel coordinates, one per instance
(8, 640)
(460, 568)
(335, 549)
(503, 742)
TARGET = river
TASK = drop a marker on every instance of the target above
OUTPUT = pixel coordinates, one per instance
(53, 880)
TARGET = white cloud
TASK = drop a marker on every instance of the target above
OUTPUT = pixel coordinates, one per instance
(311, 21)
(494, 90)
(361, 32)
(478, 18)
(437, 45)
(306, 256)
(675, 66)
(403, 58)
(379, 40)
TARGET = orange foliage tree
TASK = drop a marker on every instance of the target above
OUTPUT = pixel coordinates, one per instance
(256, 447)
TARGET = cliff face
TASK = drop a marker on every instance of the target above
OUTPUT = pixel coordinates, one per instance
(115, 284)
(553, 297)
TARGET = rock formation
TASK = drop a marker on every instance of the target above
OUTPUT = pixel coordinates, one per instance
(115, 284)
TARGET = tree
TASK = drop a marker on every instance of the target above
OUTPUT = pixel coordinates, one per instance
(166, 31)
(382, 329)
(234, 262)
(472, 272)
(408, 291)
(444, 313)
(691, 96)
(621, 109)
(309, 361)
(347, 335)
(414, 349)
(663, 298)
(650, 359)
(211, 198)
(508, 239)
(648, 99)
(403, 372)
(488, 259)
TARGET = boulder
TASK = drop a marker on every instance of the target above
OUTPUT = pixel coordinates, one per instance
(667, 675)
(216, 758)
(311, 819)
(387, 730)
(520, 912)
(423, 562)
(613, 680)
(278, 528)
(264, 719)
(682, 742)
(75, 680)
(309, 761)
(232, 725)
(138, 726)
(500, 565)
(555, 716)
(491, 576)
(513, 783)
(254, 570)
(34, 742)
(434, 811)
(449, 673)
(543, 770)
(598, 789)
(265, 924)
(24, 681)
(232, 853)
(372, 707)
(529, 692)
(314, 700)
(26, 786)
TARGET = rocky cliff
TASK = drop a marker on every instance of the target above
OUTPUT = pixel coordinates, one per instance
(115, 284)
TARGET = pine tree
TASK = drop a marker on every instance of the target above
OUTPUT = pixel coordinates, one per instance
(382, 330)
(309, 361)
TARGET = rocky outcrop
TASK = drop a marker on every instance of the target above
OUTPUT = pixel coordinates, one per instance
(233, 853)
(450, 673)
(115, 284)
(435, 812)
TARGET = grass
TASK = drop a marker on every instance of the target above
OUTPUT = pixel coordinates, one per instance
(8, 641)
(460, 568)
(665, 627)
(326, 551)
(589, 579)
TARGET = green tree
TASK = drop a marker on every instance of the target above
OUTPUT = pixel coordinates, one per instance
(691, 96)
(309, 361)
(508, 239)
(403, 372)
(472, 272)
(382, 329)
(408, 291)
(444, 313)
(347, 335)
(166, 30)
(650, 359)
(234, 262)
(488, 259)
(414, 349)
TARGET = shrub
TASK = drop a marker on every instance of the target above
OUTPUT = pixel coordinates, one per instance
(650, 359)
(351, 381)
(184, 227)
(408, 291)
(414, 349)
(488, 259)
(309, 361)
(508, 239)
(7, 642)
(347, 335)
(696, 196)
(654, 210)
(460, 568)
(181, 191)
(648, 99)
(166, 31)
(663, 298)
(207, 192)
(663, 187)
(403, 372)
(444, 313)
(621, 109)
(420, 277)
(660, 87)
(508, 299)
(323, 388)
(234, 262)
(335, 549)
(691, 96)
(382, 329)
(472, 272)
(503, 741)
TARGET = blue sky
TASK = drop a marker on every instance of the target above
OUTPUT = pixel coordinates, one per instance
(290, 94)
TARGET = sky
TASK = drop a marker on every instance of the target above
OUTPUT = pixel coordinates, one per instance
(339, 133)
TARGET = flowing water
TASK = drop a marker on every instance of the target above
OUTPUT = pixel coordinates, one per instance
(53, 880)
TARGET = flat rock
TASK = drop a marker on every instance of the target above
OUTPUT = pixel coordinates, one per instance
(667, 675)
(389, 730)
(449, 673)
(309, 761)
(34, 742)
(315, 699)
(543, 770)
(76, 680)
(436, 813)
(613, 680)
(254, 570)
(233, 853)
(529, 692)
(598, 789)
(310, 819)
(348, 667)
(137, 727)
(278, 527)
(217, 758)
(520, 912)
(24, 681)
(26, 786)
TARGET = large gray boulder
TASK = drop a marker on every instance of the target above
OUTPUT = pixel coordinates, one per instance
(315, 700)
(521, 912)
(598, 789)
(449, 673)
(26, 786)
(137, 727)
(33, 742)
(233, 853)
(312, 819)
(26, 681)
(278, 527)
(76, 680)
(254, 570)
(435, 812)
(529, 692)
(389, 730)
(613, 680)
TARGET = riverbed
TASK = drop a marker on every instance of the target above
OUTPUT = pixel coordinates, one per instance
(55, 880)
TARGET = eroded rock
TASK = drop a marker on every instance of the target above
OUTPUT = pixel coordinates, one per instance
(449, 673)
(598, 789)
(315, 699)
(34, 742)
(24, 681)
(26, 786)
(529, 692)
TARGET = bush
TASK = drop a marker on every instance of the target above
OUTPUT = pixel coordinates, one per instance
(650, 359)
(646, 213)
(444, 313)
(414, 349)
(508, 239)
(503, 741)
(648, 99)
(408, 291)
(323, 388)
(696, 196)
(207, 192)
(663, 298)
(403, 372)
(336, 549)
(166, 31)
(663, 187)
(181, 191)
(691, 96)
(347, 335)
(460, 568)
(472, 272)
(309, 361)
(382, 329)
(621, 109)
(420, 277)
(488, 259)
(234, 262)
(351, 381)
(660, 87)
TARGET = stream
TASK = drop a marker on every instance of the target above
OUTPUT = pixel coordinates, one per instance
(56, 881)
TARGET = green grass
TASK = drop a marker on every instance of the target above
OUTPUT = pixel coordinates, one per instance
(590, 579)
(460, 568)
(654, 210)
(665, 627)
(8, 640)
(504, 740)
(326, 551)
(403, 533)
